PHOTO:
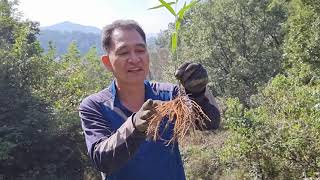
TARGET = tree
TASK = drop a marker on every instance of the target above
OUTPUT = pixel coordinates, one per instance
(240, 43)
(278, 138)
(25, 118)
(302, 44)
(32, 144)
(159, 55)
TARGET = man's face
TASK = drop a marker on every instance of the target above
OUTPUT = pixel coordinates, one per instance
(128, 57)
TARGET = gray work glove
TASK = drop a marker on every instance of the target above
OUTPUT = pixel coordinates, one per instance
(193, 77)
(141, 118)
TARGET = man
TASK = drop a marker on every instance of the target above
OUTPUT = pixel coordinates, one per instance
(115, 119)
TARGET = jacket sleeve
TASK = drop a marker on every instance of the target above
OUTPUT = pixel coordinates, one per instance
(108, 149)
(210, 107)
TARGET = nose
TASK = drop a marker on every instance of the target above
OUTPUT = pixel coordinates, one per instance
(134, 57)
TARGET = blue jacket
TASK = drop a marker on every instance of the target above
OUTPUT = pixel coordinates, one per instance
(121, 152)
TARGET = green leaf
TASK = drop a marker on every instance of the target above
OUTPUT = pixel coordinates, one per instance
(161, 5)
(178, 23)
(174, 41)
(182, 12)
(185, 8)
(168, 7)
(179, 20)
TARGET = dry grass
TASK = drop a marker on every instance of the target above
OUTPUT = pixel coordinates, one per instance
(186, 115)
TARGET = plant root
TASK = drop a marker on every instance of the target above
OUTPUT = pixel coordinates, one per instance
(184, 113)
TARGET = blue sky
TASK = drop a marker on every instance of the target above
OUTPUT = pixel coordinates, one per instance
(97, 13)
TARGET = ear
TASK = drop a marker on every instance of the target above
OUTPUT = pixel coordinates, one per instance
(106, 61)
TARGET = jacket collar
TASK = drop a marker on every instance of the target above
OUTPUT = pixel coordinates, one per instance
(149, 93)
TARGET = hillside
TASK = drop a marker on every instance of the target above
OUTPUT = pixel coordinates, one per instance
(67, 26)
(62, 34)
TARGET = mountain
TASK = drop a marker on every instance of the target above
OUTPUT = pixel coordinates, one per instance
(62, 34)
(70, 27)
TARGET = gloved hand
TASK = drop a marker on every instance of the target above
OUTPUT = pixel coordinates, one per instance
(193, 77)
(141, 118)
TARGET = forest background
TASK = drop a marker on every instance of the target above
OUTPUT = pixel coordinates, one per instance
(263, 61)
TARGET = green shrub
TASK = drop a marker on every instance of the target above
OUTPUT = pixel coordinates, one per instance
(279, 138)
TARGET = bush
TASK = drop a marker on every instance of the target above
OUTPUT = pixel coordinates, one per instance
(279, 137)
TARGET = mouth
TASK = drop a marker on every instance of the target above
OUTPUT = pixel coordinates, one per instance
(135, 70)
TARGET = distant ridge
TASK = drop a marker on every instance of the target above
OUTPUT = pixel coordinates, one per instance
(67, 26)
(64, 33)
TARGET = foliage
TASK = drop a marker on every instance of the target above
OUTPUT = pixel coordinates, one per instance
(302, 44)
(239, 42)
(200, 155)
(179, 18)
(72, 78)
(278, 138)
(15, 92)
(263, 56)
(39, 94)
(201, 163)
(162, 64)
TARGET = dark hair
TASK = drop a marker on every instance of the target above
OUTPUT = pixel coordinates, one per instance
(119, 24)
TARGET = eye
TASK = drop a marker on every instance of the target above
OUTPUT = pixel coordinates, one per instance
(140, 50)
(123, 53)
